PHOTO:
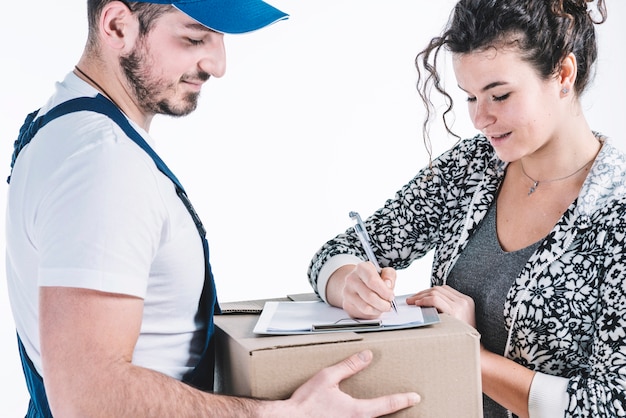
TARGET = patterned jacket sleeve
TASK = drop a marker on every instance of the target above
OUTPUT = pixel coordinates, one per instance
(414, 221)
(598, 387)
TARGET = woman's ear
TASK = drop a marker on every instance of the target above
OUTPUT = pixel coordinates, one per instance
(567, 74)
(118, 25)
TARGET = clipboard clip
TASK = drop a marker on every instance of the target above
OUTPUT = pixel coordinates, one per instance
(348, 324)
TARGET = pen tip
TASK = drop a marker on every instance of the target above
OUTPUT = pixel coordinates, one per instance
(394, 306)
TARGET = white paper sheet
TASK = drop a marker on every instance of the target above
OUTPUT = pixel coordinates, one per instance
(306, 317)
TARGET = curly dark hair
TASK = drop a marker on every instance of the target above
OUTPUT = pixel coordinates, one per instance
(544, 31)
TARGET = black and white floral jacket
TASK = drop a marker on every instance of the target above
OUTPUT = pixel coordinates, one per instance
(566, 312)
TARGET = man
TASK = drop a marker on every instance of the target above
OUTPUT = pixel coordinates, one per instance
(105, 269)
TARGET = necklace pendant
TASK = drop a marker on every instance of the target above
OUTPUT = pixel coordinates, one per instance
(533, 188)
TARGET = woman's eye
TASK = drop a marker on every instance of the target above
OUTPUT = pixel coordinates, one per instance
(471, 99)
(195, 41)
(500, 98)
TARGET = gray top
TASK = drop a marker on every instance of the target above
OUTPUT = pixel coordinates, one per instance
(474, 275)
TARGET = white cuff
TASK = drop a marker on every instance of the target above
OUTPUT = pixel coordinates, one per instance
(330, 267)
(548, 396)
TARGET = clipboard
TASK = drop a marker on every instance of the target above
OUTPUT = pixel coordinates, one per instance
(289, 318)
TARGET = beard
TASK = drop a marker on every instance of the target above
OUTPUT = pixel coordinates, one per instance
(153, 94)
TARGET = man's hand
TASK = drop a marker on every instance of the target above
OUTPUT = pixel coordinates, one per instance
(321, 397)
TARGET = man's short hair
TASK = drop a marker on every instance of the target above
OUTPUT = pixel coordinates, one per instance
(147, 14)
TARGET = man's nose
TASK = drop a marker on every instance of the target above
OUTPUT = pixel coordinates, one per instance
(214, 60)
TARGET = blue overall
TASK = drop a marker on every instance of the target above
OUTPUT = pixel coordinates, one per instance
(202, 375)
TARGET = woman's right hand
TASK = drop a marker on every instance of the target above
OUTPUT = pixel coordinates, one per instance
(361, 291)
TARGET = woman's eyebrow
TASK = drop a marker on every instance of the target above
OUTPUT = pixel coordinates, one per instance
(488, 86)
(494, 84)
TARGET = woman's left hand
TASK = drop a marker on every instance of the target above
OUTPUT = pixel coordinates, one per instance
(446, 300)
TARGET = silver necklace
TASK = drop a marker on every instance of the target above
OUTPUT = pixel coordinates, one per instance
(536, 182)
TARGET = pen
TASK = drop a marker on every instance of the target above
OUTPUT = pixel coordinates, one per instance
(361, 232)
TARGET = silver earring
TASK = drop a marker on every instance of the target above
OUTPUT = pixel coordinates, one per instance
(565, 90)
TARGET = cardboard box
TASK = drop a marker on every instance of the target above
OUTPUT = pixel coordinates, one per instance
(440, 362)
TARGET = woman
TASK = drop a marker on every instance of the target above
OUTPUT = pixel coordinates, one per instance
(527, 219)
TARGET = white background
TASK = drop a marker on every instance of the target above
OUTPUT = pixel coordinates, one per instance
(316, 116)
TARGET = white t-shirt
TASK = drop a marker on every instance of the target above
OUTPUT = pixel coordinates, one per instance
(88, 208)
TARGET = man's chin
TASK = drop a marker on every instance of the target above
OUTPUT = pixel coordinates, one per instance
(184, 108)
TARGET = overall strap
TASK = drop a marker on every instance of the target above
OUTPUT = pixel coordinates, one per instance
(38, 406)
(202, 375)
(99, 104)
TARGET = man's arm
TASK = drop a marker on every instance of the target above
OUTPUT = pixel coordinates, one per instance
(87, 342)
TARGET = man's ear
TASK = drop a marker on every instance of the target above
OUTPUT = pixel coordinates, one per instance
(118, 25)
(568, 72)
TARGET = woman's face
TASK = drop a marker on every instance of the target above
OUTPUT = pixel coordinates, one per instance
(517, 110)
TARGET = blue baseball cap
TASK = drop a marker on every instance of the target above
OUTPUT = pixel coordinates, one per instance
(227, 16)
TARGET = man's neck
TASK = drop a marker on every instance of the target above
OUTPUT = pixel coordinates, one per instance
(110, 85)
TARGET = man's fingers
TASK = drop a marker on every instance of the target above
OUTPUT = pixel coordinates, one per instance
(389, 404)
(380, 406)
(383, 405)
(324, 389)
(352, 365)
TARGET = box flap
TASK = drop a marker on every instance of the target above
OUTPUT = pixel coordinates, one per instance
(240, 328)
